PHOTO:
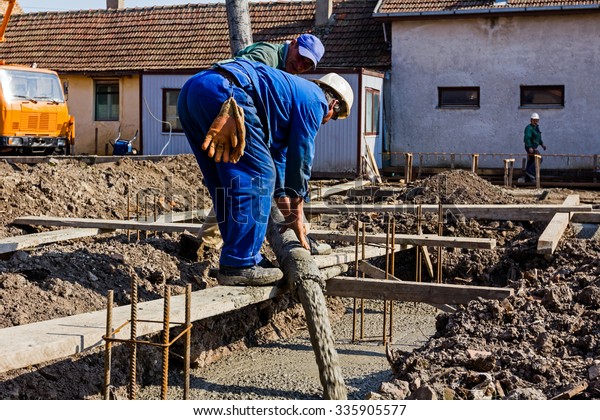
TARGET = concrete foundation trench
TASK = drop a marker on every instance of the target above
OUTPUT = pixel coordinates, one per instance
(446, 287)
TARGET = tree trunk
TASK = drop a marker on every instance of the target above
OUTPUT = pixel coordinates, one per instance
(240, 30)
(304, 277)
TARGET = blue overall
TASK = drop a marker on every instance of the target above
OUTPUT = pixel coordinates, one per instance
(282, 116)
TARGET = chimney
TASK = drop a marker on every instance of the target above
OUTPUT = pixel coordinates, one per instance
(115, 4)
(323, 11)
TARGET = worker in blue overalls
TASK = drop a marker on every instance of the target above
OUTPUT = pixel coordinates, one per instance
(282, 114)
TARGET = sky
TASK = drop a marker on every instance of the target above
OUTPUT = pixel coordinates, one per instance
(32, 6)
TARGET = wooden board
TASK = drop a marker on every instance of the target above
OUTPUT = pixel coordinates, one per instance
(411, 291)
(548, 240)
(516, 212)
(33, 240)
(401, 239)
(339, 188)
(108, 224)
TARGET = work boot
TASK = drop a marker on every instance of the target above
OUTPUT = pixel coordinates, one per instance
(248, 276)
(318, 248)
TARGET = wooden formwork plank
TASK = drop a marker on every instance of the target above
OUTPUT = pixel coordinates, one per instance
(433, 293)
(592, 217)
(414, 240)
(516, 212)
(16, 243)
(548, 240)
(107, 224)
(339, 188)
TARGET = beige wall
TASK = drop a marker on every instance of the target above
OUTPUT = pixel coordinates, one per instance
(81, 106)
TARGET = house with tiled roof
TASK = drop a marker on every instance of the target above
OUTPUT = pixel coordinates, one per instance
(124, 67)
(468, 74)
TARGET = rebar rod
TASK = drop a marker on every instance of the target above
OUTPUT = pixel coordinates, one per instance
(393, 272)
(362, 301)
(133, 335)
(418, 248)
(440, 250)
(137, 211)
(356, 269)
(387, 270)
(108, 345)
(128, 214)
(165, 342)
(188, 341)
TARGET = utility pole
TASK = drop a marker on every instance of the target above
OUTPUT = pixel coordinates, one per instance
(240, 30)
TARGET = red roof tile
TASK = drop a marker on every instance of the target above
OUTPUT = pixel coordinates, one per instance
(428, 6)
(188, 36)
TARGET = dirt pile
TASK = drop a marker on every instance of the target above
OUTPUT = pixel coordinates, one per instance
(542, 343)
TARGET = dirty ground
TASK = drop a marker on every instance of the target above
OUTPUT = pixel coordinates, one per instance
(541, 343)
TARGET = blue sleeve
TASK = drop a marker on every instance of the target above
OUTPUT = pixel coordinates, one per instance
(279, 158)
(305, 120)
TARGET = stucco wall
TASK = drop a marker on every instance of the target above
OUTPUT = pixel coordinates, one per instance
(498, 55)
(81, 106)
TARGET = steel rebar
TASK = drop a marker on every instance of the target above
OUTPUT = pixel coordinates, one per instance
(165, 342)
(133, 336)
(356, 269)
(440, 250)
(108, 345)
(188, 341)
(362, 301)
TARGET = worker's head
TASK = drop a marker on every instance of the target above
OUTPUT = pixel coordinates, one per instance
(535, 118)
(304, 53)
(339, 95)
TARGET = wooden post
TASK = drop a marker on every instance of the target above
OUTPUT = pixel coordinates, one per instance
(474, 162)
(407, 167)
(595, 167)
(538, 161)
(452, 160)
(420, 165)
(508, 172)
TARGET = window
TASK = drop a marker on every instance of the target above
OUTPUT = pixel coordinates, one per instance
(169, 113)
(372, 111)
(543, 96)
(458, 97)
(107, 100)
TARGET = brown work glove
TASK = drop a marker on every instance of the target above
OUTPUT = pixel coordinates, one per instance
(226, 137)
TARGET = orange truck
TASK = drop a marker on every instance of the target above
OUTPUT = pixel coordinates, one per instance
(34, 118)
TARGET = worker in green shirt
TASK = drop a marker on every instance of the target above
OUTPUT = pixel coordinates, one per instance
(532, 139)
(296, 56)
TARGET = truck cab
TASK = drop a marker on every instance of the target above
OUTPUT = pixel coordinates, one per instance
(34, 118)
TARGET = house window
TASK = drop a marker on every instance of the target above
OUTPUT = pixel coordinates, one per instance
(543, 96)
(371, 111)
(170, 116)
(458, 97)
(107, 100)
